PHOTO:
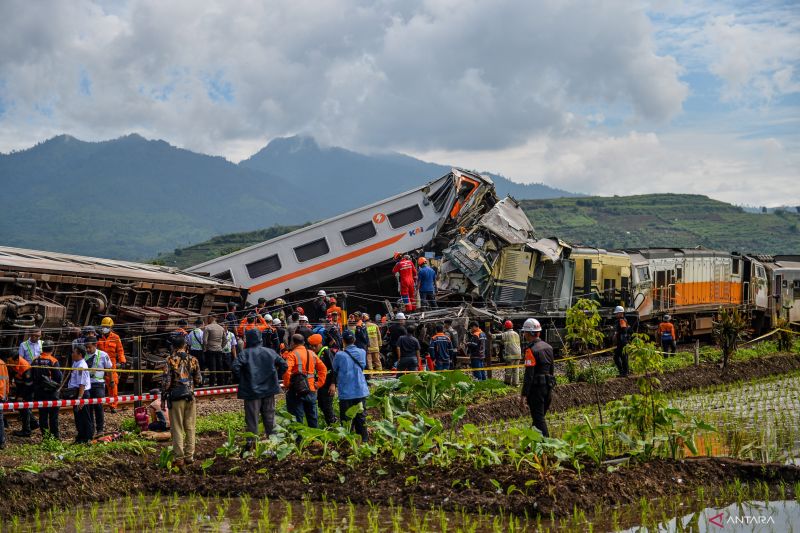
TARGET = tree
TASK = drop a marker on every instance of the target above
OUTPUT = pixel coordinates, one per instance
(729, 330)
(583, 332)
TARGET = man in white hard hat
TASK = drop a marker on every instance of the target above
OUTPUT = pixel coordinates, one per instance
(537, 386)
(304, 328)
(621, 336)
(319, 308)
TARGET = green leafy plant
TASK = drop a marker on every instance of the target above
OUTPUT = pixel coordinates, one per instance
(729, 330)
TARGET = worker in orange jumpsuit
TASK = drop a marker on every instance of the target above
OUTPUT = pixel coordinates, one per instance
(407, 277)
(251, 321)
(336, 311)
(110, 343)
(666, 335)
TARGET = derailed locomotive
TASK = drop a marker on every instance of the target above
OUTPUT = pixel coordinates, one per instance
(60, 293)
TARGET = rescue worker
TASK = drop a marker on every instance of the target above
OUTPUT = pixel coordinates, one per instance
(213, 340)
(336, 312)
(427, 284)
(408, 350)
(407, 279)
(622, 335)
(261, 306)
(304, 329)
(396, 330)
(31, 347)
(110, 343)
(46, 382)
(440, 349)
(374, 344)
(179, 332)
(319, 307)
(291, 325)
(230, 317)
(252, 320)
(476, 350)
(195, 342)
(539, 380)
(667, 336)
(22, 379)
(333, 335)
(349, 367)
(360, 331)
(97, 361)
(451, 332)
(512, 353)
(181, 376)
(258, 370)
(279, 312)
(280, 332)
(303, 361)
(328, 389)
(4, 390)
(79, 381)
(229, 352)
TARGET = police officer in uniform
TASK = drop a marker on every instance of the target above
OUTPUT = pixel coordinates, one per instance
(537, 386)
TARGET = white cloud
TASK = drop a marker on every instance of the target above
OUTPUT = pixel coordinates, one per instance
(755, 171)
(419, 74)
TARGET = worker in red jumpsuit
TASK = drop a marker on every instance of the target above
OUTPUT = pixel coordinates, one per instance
(406, 274)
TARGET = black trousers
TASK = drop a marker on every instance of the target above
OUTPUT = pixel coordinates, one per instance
(621, 360)
(83, 422)
(25, 394)
(227, 365)
(539, 398)
(325, 402)
(96, 415)
(48, 416)
(359, 422)
(214, 364)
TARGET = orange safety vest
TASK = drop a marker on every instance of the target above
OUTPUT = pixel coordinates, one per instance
(112, 345)
(4, 387)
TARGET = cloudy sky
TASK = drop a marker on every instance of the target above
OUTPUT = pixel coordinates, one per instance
(610, 97)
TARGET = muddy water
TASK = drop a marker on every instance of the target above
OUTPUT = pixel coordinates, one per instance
(189, 514)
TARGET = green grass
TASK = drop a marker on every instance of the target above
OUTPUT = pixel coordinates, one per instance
(669, 220)
(52, 453)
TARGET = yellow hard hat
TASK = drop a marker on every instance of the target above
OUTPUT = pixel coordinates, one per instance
(107, 322)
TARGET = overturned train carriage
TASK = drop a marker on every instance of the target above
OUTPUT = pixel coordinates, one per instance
(60, 293)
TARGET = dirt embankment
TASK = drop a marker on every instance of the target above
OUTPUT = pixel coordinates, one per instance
(581, 394)
(381, 482)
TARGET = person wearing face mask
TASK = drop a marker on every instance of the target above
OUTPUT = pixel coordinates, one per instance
(110, 343)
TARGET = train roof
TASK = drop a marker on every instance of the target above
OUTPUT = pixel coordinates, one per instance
(24, 260)
(660, 253)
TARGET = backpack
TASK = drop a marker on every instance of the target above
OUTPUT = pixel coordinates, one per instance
(182, 390)
(298, 382)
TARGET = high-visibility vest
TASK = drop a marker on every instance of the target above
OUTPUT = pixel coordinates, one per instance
(374, 335)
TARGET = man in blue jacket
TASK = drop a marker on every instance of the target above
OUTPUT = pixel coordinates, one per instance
(427, 284)
(258, 371)
(349, 365)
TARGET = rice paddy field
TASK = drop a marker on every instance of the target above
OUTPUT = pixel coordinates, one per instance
(451, 454)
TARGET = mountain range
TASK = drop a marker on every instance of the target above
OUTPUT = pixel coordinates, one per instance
(131, 198)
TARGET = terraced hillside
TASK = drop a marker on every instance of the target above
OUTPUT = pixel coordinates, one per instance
(673, 220)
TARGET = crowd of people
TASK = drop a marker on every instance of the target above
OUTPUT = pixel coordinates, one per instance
(264, 350)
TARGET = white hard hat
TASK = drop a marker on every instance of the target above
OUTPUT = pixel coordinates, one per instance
(268, 317)
(619, 309)
(667, 318)
(322, 293)
(303, 318)
(377, 318)
(365, 316)
(531, 325)
(276, 322)
(400, 316)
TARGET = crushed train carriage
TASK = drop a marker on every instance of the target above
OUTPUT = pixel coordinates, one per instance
(61, 292)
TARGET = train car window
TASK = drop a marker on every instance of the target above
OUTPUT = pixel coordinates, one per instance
(644, 273)
(679, 273)
(262, 267)
(735, 267)
(624, 281)
(404, 217)
(359, 233)
(227, 276)
(594, 274)
(312, 250)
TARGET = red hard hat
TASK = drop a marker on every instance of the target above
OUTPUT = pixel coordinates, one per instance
(396, 255)
(332, 300)
(508, 324)
(421, 261)
(300, 310)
